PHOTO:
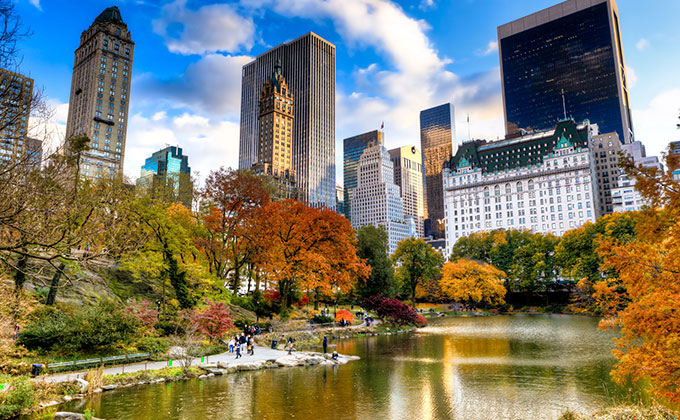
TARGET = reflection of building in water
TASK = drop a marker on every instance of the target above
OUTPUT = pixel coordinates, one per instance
(573, 48)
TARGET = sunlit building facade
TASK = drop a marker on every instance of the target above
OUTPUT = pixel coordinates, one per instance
(353, 148)
(408, 175)
(16, 96)
(437, 144)
(625, 197)
(573, 47)
(100, 93)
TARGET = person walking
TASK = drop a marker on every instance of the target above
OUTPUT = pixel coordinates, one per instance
(251, 346)
(238, 351)
(231, 345)
(325, 344)
(289, 347)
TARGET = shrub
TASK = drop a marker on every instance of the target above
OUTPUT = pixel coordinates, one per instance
(421, 321)
(392, 310)
(344, 314)
(143, 311)
(214, 320)
(322, 319)
(153, 345)
(20, 397)
(166, 328)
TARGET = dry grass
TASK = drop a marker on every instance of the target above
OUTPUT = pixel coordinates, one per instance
(627, 413)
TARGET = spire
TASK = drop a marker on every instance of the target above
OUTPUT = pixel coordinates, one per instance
(276, 75)
(110, 14)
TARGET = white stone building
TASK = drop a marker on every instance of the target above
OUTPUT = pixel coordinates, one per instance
(408, 175)
(625, 197)
(543, 181)
(377, 199)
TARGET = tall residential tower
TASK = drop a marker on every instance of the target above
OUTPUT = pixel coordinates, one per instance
(566, 59)
(408, 175)
(437, 134)
(100, 92)
(16, 97)
(353, 147)
(309, 66)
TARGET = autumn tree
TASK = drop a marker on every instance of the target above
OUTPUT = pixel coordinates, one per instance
(648, 268)
(214, 320)
(372, 245)
(233, 198)
(471, 282)
(307, 249)
(417, 264)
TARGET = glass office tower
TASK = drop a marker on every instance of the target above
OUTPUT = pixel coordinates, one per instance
(573, 47)
(167, 172)
(437, 134)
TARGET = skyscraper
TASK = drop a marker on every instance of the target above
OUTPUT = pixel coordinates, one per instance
(353, 147)
(605, 150)
(100, 92)
(437, 134)
(573, 48)
(408, 175)
(16, 97)
(377, 199)
(275, 133)
(167, 171)
(309, 66)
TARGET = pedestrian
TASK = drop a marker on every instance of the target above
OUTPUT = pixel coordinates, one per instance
(231, 345)
(290, 340)
(325, 344)
(251, 346)
(238, 352)
(289, 347)
(242, 341)
(334, 356)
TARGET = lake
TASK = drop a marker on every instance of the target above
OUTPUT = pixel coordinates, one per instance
(500, 367)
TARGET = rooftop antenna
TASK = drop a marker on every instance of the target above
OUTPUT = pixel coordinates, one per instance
(564, 105)
(468, 122)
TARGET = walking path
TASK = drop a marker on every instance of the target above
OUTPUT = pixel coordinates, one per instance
(261, 354)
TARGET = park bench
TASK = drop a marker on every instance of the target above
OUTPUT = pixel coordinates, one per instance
(61, 366)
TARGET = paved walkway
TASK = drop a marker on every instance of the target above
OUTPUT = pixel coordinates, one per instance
(261, 353)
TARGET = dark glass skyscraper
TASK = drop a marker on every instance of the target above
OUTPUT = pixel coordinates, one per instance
(353, 147)
(437, 134)
(573, 47)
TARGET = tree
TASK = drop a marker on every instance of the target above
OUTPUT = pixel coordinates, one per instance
(472, 282)
(392, 310)
(533, 268)
(306, 248)
(648, 269)
(214, 320)
(372, 245)
(417, 264)
(234, 197)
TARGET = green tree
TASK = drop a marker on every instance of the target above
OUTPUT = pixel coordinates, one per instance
(417, 264)
(372, 245)
(533, 268)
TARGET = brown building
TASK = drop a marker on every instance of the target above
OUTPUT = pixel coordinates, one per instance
(605, 149)
(275, 135)
(100, 92)
(16, 96)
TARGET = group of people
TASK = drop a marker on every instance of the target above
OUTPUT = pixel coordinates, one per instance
(240, 342)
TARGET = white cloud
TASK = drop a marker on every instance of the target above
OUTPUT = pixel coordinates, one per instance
(211, 85)
(36, 3)
(208, 143)
(631, 77)
(50, 125)
(642, 44)
(427, 4)
(209, 29)
(491, 48)
(655, 125)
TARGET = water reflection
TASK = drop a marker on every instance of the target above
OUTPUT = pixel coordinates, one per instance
(520, 367)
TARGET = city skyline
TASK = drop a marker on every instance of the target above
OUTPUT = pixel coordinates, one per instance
(172, 61)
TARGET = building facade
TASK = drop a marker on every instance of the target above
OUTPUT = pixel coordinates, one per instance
(309, 66)
(605, 150)
(340, 199)
(353, 148)
(625, 197)
(408, 175)
(100, 93)
(275, 135)
(674, 149)
(573, 49)
(16, 98)
(437, 144)
(167, 173)
(544, 182)
(377, 199)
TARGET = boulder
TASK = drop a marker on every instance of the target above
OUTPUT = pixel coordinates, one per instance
(202, 376)
(217, 371)
(83, 384)
(65, 415)
(109, 387)
(251, 366)
(208, 366)
(210, 375)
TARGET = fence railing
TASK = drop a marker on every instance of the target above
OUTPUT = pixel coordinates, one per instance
(100, 361)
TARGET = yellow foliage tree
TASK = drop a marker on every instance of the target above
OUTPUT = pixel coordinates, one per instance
(472, 282)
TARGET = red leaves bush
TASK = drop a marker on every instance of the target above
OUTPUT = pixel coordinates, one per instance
(214, 320)
(392, 310)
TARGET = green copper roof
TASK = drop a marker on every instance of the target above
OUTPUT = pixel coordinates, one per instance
(524, 151)
(111, 14)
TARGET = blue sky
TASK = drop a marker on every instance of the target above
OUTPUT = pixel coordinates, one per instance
(394, 58)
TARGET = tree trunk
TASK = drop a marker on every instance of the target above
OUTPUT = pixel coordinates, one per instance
(54, 286)
(20, 274)
(316, 299)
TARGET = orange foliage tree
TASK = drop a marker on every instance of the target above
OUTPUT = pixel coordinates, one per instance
(233, 197)
(472, 282)
(303, 248)
(344, 314)
(648, 269)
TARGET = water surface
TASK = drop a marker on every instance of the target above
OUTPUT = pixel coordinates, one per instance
(503, 367)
